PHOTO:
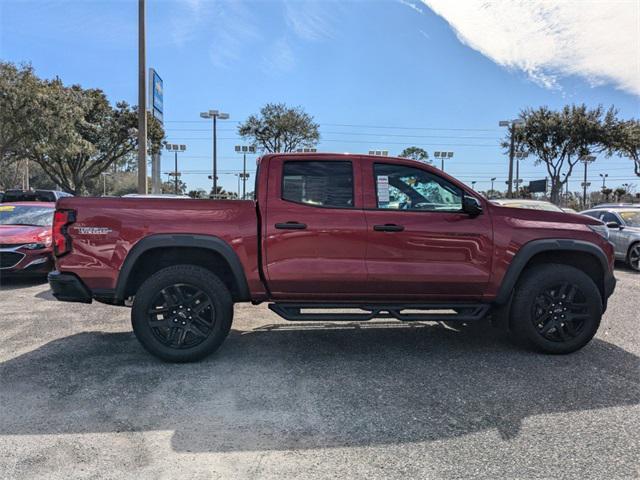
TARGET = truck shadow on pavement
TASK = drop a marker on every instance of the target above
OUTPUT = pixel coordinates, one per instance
(292, 386)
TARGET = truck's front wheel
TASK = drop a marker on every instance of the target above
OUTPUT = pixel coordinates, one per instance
(182, 313)
(556, 308)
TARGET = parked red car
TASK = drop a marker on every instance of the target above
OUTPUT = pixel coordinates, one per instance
(25, 238)
(390, 237)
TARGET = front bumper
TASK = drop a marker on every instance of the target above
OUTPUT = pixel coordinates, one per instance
(67, 287)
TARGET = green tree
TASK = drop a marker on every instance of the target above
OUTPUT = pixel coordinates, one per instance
(625, 141)
(198, 193)
(279, 128)
(73, 134)
(415, 153)
(170, 187)
(558, 139)
(20, 90)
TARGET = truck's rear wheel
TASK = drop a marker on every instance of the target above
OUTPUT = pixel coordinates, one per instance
(555, 309)
(182, 313)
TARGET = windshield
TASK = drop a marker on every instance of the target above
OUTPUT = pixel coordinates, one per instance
(26, 215)
(631, 217)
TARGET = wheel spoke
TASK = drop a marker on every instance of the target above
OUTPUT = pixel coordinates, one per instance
(182, 335)
(160, 310)
(168, 299)
(561, 333)
(548, 326)
(195, 330)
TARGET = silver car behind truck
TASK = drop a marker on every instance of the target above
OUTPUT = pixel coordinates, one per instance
(624, 231)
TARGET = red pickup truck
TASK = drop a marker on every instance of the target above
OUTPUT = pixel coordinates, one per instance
(334, 237)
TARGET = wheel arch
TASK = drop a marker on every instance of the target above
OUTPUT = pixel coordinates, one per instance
(585, 256)
(155, 252)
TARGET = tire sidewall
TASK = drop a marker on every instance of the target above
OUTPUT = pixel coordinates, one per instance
(195, 276)
(535, 282)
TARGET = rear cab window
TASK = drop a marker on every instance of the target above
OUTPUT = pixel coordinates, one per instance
(318, 183)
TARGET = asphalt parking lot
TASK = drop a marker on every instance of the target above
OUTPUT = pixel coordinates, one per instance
(79, 398)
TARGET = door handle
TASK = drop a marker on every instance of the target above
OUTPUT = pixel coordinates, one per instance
(388, 227)
(291, 226)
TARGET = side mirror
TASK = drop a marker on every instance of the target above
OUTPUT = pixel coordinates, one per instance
(614, 225)
(471, 206)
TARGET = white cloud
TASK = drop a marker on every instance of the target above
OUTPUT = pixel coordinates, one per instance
(595, 39)
(411, 5)
(310, 20)
(279, 58)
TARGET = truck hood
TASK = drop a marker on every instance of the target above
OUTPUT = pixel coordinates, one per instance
(17, 234)
(545, 216)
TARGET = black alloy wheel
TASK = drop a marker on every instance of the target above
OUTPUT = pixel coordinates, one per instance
(181, 316)
(559, 313)
(182, 313)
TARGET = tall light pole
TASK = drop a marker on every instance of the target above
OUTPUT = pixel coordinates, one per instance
(214, 115)
(511, 125)
(142, 99)
(586, 159)
(493, 179)
(244, 149)
(442, 156)
(604, 179)
(175, 148)
(473, 184)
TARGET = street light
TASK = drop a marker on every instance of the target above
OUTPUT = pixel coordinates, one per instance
(511, 125)
(473, 184)
(244, 149)
(586, 159)
(604, 179)
(215, 114)
(175, 148)
(442, 156)
(493, 179)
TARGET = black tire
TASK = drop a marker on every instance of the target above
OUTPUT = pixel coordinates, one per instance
(182, 313)
(545, 320)
(633, 257)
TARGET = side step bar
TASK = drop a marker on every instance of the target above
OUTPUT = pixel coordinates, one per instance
(421, 312)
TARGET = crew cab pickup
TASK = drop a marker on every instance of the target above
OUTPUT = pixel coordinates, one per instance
(377, 237)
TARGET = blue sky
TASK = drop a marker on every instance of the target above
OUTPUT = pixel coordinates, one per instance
(375, 74)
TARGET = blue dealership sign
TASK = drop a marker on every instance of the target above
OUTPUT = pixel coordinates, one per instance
(156, 94)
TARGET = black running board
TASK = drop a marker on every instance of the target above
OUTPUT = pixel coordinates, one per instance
(464, 312)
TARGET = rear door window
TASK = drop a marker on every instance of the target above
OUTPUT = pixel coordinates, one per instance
(318, 183)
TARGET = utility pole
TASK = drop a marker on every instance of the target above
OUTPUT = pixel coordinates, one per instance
(244, 149)
(511, 125)
(586, 159)
(214, 115)
(519, 155)
(142, 98)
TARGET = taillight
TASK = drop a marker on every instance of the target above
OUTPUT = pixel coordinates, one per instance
(61, 239)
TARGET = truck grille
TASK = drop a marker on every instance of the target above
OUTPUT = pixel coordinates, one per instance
(10, 259)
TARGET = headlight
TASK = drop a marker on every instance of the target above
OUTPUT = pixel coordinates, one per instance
(34, 246)
(602, 230)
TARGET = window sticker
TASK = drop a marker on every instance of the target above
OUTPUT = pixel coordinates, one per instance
(383, 190)
(7, 208)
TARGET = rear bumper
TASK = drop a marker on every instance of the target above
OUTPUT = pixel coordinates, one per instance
(67, 287)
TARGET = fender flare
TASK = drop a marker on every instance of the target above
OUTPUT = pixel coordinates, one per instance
(209, 242)
(528, 250)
